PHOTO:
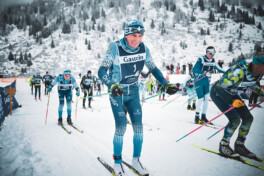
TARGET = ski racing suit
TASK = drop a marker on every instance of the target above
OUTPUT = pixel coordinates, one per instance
(202, 82)
(125, 65)
(87, 84)
(65, 90)
(225, 91)
(37, 83)
(188, 84)
(47, 79)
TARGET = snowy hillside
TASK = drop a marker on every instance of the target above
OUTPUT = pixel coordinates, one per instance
(70, 50)
(31, 148)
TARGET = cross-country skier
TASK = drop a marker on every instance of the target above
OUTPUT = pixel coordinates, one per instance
(66, 82)
(47, 79)
(98, 86)
(31, 83)
(87, 84)
(125, 60)
(188, 85)
(203, 69)
(224, 94)
(37, 82)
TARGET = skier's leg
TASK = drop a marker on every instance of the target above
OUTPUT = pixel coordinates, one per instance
(200, 94)
(233, 115)
(247, 120)
(84, 97)
(135, 113)
(120, 126)
(68, 100)
(61, 100)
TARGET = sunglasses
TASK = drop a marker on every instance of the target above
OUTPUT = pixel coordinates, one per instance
(212, 54)
(67, 76)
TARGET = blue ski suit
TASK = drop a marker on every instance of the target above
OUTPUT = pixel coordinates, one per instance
(125, 64)
(202, 82)
(65, 90)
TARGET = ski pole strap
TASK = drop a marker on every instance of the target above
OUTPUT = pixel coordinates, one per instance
(205, 124)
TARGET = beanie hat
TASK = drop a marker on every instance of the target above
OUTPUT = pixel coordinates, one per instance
(67, 72)
(89, 71)
(134, 26)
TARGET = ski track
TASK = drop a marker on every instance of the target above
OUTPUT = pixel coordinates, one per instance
(32, 148)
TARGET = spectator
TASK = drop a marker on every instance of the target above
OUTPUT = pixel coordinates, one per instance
(178, 68)
(172, 68)
(184, 68)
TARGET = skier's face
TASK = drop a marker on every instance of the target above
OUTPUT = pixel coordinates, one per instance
(67, 77)
(258, 69)
(210, 55)
(134, 39)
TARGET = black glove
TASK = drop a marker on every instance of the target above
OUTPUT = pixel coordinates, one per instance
(116, 90)
(171, 89)
(184, 89)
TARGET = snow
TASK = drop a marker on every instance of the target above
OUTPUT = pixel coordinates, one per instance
(32, 148)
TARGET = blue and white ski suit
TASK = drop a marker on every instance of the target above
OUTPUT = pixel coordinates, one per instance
(65, 90)
(125, 65)
(202, 82)
(188, 84)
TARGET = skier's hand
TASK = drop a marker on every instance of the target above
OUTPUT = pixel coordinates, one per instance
(82, 90)
(171, 89)
(49, 88)
(116, 90)
(238, 103)
(184, 89)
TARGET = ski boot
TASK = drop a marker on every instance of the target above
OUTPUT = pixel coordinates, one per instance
(119, 169)
(197, 119)
(138, 166)
(227, 151)
(160, 99)
(60, 121)
(164, 99)
(193, 106)
(84, 106)
(189, 107)
(69, 121)
(205, 120)
(242, 150)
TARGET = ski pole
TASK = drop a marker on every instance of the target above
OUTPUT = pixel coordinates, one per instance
(153, 96)
(205, 124)
(76, 108)
(171, 100)
(47, 109)
(225, 126)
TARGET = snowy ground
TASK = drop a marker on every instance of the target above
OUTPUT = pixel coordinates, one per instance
(32, 148)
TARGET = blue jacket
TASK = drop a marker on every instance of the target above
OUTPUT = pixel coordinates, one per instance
(124, 65)
(64, 85)
(203, 65)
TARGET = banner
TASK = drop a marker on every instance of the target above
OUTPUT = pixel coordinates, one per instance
(4, 102)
